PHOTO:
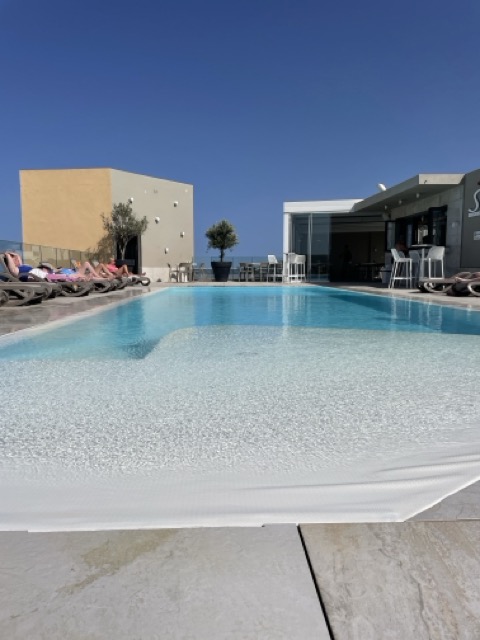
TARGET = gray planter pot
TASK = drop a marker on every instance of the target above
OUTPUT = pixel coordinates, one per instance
(221, 271)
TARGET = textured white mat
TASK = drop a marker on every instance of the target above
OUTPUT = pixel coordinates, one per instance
(241, 425)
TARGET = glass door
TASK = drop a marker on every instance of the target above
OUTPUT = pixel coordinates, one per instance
(311, 237)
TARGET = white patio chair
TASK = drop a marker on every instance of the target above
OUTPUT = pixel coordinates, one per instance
(246, 272)
(292, 267)
(173, 273)
(401, 269)
(300, 264)
(435, 257)
(274, 270)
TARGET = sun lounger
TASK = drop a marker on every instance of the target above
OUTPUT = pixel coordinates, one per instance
(19, 293)
(436, 285)
(474, 288)
(65, 288)
(461, 284)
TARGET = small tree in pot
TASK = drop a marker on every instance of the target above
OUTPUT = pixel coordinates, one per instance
(122, 225)
(221, 236)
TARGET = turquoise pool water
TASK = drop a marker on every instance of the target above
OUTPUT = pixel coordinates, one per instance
(234, 406)
(132, 331)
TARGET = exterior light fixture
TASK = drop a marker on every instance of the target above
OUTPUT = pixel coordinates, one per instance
(399, 202)
(175, 203)
(182, 234)
(157, 220)
(417, 195)
(166, 249)
(130, 200)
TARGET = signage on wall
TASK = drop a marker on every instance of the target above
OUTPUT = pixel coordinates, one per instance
(472, 213)
(476, 235)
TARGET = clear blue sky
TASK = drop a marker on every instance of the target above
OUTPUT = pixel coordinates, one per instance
(255, 102)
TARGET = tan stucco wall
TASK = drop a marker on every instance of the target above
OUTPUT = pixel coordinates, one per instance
(62, 207)
(156, 197)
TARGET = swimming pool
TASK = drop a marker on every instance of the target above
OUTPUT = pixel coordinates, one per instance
(224, 405)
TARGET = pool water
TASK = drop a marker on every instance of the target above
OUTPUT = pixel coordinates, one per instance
(133, 330)
(207, 406)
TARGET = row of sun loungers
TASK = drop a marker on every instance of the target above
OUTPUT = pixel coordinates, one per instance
(15, 291)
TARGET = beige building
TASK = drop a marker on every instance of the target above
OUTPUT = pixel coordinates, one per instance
(62, 208)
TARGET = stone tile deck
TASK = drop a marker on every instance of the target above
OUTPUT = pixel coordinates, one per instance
(208, 584)
(398, 581)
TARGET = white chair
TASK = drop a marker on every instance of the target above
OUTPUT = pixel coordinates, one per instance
(401, 269)
(300, 264)
(435, 257)
(274, 270)
(292, 267)
(185, 271)
(246, 272)
(172, 272)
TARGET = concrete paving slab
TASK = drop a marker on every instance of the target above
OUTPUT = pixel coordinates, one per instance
(203, 584)
(398, 581)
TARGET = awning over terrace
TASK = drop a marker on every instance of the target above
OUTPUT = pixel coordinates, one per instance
(420, 186)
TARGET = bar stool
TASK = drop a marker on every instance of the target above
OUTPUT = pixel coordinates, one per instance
(401, 269)
(300, 264)
(435, 256)
(292, 273)
(273, 269)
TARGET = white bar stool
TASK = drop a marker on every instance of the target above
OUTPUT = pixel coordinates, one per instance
(292, 274)
(300, 264)
(435, 257)
(401, 269)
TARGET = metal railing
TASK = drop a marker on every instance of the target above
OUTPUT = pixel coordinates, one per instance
(203, 269)
(33, 254)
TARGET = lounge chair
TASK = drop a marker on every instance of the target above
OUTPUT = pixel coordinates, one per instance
(19, 293)
(474, 288)
(52, 289)
(3, 298)
(457, 285)
(466, 286)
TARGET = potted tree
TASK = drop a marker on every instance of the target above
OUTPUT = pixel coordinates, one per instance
(122, 225)
(221, 236)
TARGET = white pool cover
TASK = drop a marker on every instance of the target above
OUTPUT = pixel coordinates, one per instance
(241, 425)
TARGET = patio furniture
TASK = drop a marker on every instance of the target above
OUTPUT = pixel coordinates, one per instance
(301, 262)
(185, 271)
(401, 269)
(246, 272)
(263, 271)
(292, 273)
(474, 288)
(172, 272)
(274, 268)
(435, 258)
